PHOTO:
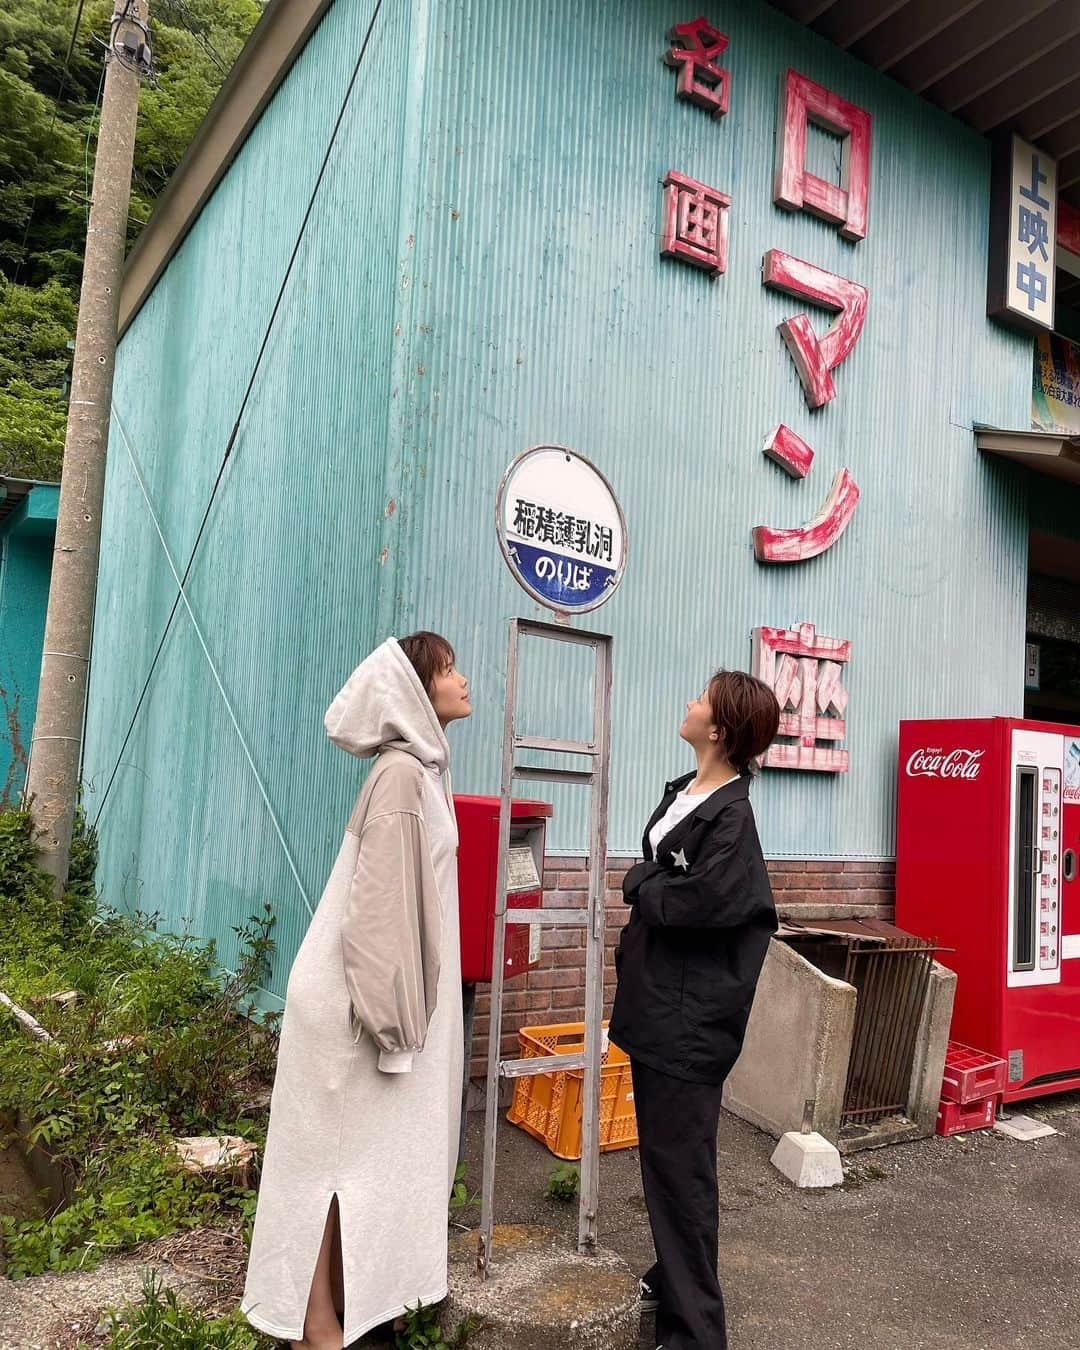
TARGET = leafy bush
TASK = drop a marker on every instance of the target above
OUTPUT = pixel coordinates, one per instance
(153, 1046)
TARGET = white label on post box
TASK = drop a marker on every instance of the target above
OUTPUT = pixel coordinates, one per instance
(536, 935)
(521, 870)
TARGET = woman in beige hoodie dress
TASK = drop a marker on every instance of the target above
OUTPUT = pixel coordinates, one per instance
(351, 1225)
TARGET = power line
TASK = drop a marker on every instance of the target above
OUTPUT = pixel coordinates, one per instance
(52, 124)
(196, 32)
(243, 405)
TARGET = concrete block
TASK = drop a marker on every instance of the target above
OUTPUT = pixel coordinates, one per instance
(1024, 1128)
(797, 1045)
(808, 1160)
(541, 1294)
(931, 1044)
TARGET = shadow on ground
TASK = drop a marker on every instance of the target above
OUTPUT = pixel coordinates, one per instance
(967, 1243)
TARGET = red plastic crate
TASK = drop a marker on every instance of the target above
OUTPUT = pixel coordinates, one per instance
(971, 1075)
(958, 1118)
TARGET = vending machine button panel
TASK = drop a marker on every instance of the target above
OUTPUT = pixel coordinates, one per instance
(1051, 866)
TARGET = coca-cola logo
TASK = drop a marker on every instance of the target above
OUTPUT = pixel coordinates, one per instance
(933, 762)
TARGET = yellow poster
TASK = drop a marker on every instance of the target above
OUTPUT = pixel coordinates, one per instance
(1055, 395)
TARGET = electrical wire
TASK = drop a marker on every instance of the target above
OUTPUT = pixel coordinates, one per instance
(52, 125)
(243, 405)
(86, 147)
(192, 19)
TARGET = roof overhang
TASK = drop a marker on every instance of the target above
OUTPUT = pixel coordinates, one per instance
(1048, 452)
(997, 65)
(267, 57)
(40, 499)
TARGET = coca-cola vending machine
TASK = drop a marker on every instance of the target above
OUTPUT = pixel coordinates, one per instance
(987, 863)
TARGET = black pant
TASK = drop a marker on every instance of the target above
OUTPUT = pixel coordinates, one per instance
(677, 1123)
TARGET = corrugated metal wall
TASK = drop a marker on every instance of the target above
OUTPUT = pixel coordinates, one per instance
(483, 275)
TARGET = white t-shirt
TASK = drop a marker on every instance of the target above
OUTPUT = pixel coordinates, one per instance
(680, 808)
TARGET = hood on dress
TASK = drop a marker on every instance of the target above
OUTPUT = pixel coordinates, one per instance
(384, 706)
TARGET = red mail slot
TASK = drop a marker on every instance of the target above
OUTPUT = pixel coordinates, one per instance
(478, 850)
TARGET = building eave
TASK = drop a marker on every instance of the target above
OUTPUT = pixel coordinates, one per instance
(274, 45)
(1052, 453)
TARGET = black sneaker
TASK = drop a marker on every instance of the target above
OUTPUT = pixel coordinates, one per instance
(649, 1300)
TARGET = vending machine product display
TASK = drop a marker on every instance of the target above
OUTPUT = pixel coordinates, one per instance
(987, 863)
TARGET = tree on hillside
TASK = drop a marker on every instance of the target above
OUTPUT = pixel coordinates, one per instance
(48, 119)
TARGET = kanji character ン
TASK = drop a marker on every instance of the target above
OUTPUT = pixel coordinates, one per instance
(695, 47)
(694, 227)
(772, 545)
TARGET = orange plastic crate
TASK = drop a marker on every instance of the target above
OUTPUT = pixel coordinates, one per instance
(548, 1105)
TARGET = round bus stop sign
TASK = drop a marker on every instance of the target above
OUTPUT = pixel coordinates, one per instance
(561, 529)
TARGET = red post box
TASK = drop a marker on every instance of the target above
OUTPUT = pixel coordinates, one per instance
(478, 850)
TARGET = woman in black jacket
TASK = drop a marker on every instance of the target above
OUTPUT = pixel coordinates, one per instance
(688, 962)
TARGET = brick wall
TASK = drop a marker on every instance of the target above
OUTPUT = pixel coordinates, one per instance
(555, 991)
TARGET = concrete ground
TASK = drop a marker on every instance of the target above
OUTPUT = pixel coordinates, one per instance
(968, 1243)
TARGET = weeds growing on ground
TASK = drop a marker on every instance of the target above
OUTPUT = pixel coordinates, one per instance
(159, 1321)
(153, 1046)
(564, 1182)
(423, 1332)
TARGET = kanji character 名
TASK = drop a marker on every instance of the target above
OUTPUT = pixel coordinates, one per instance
(695, 47)
(804, 671)
(1034, 231)
(1037, 178)
(695, 223)
(1031, 282)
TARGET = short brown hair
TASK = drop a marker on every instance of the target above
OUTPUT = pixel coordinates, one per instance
(746, 711)
(429, 654)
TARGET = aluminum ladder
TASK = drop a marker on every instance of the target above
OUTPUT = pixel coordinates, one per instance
(591, 918)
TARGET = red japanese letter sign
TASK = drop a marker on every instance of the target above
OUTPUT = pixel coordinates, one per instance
(774, 545)
(794, 187)
(695, 47)
(816, 357)
(694, 227)
(804, 671)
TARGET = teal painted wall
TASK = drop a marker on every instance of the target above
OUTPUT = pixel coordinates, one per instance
(482, 274)
(26, 549)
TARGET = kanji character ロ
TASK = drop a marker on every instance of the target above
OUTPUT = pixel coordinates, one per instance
(797, 189)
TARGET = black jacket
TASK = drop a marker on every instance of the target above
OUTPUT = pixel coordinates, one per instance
(689, 959)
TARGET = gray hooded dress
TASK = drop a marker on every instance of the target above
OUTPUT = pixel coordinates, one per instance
(367, 1096)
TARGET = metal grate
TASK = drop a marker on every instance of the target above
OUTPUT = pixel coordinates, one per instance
(891, 977)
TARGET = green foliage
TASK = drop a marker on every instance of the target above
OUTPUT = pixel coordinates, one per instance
(461, 1199)
(423, 1332)
(160, 1320)
(152, 1048)
(48, 122)
(35, 327)
(564, 1182)
(32, 425)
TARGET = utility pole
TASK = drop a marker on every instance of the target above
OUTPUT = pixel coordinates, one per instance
(52, 779)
